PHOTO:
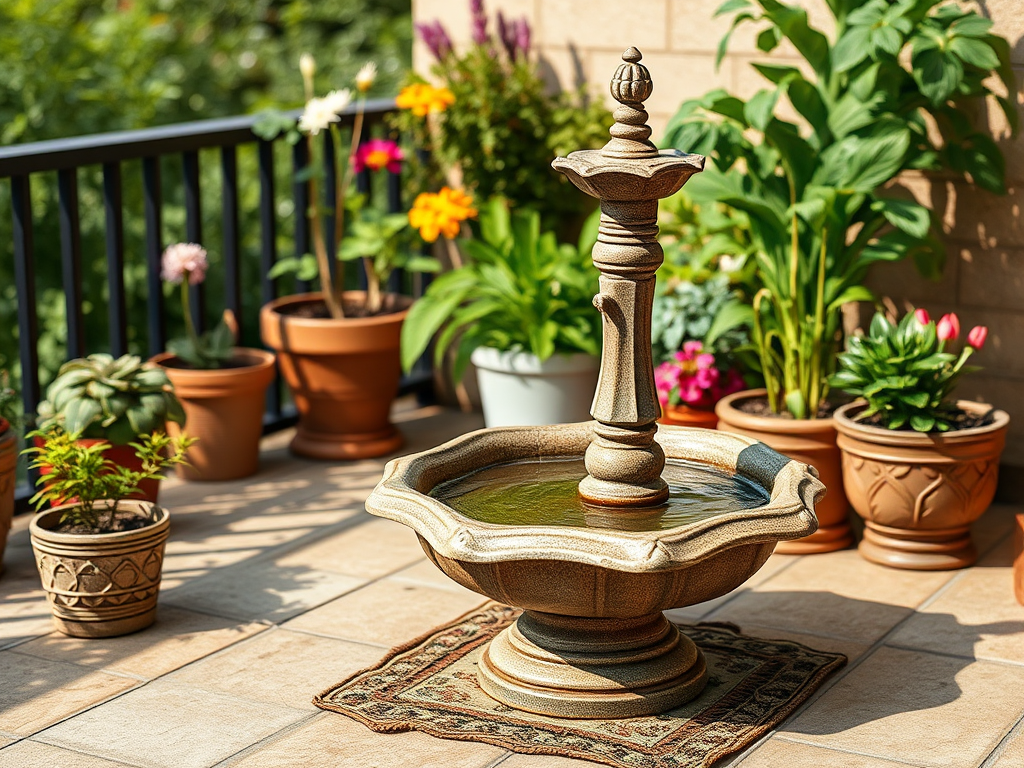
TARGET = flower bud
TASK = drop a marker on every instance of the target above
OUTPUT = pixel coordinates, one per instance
(366, 76)
(922, 316)
(976, 338)
(307, 66)
(948, 327)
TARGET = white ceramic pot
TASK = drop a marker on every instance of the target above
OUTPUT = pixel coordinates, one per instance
(517, 389)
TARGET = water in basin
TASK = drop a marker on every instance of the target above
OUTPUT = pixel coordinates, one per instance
(543, 492)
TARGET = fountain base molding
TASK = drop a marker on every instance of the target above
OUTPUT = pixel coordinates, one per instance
(574, 667)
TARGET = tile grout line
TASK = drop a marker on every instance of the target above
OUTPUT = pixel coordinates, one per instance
(77, 751)
(997, 752)
(793, 740)
(268, 739)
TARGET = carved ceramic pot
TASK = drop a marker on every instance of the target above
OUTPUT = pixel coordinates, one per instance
(101, 584)
(592, 641)
(919, 493)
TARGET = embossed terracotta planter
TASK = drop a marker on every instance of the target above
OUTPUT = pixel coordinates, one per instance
(685, 416)
(103, 584)
(812, 441)
(343, 375)
(919, 493)
(8, 467)
(224, 410)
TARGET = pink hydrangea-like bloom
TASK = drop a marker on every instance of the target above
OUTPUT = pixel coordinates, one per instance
(184, 261)
(692, 378)
(376, 154)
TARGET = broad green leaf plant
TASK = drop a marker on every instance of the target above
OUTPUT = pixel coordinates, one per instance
(520, 290)
(117, 400)
(817, 214)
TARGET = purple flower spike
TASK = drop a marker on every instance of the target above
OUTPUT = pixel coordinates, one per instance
(435, 38)
(507, 36)
(476, 10)
(522, 29)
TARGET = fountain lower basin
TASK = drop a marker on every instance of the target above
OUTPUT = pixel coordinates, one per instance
(592, 641)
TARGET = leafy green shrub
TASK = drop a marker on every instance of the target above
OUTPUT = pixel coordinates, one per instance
(818, 225)
(81, 472)
(10, 404)
(116, 400)
(521, 290)
(904, 371)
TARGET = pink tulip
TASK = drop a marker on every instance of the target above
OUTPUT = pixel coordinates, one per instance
(922, 316)
(976, 338)
(949, 327)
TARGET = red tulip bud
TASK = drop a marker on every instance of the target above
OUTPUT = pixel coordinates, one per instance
(949, 327)
(922, 316)
(976, 338)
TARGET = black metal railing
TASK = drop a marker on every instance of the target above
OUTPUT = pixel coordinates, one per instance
(111, 152)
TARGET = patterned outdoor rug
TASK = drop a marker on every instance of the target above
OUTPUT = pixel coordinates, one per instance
(430, 685)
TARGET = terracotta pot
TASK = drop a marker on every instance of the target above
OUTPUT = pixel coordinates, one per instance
(104, 584)
(812, 441)
(8, 476)
(122, 456)
(686, 416)
(1018, 558)
(919, 493)
(343, 375)
(224, 409)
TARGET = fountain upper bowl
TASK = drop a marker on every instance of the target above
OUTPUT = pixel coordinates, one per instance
(598, 572)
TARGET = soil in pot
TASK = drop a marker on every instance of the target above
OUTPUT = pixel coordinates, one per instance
(102, 584)
(919, 493)
(8, 476)
(343, 374)
(812, 441)
(224, 410)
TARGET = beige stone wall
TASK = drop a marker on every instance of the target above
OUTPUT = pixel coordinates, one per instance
(580, 41)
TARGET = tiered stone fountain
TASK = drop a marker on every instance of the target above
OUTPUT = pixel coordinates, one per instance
(585, 526)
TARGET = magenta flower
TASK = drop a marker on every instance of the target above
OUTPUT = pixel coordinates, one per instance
(922, 316)
(976, 338)
(376, 154)
(183, 261)
(436, 38)
(692, 378)
(949, 327)
(479, 17)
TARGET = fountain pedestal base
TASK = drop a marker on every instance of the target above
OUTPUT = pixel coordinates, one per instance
(567, 666)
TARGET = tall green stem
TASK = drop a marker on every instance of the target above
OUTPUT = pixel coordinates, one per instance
(186, 309)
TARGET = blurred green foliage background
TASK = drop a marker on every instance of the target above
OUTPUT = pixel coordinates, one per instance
(75, 67)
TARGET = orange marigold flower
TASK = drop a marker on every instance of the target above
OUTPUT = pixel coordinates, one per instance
(423, 98)
(441, 213)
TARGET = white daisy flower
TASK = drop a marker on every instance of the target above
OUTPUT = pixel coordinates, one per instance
(339, 100)
(317, 116)
(365, 77)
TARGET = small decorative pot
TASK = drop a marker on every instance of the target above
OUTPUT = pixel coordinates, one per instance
(8, 473)
(919, 493)
(101, 584)
(811, 441)
(224, 410)
(343, 375)
(517, 389)
(688, 416)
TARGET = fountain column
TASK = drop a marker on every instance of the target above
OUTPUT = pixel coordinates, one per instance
(628, 175)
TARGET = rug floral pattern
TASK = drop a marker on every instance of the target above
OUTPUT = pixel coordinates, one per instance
(430, 686)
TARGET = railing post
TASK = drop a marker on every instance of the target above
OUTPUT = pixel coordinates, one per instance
(71, 260)
(229, 213)
(117, 315)
(25, 285)
(152, 203)
(194, 230)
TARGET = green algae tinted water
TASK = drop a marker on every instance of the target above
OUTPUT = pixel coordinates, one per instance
(543, 492)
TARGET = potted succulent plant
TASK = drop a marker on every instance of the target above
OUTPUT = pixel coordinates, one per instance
(10, 419)
(919, 466)
(338, 349)
(521, 310)
(99, 549)
(100, 399)
(690, 384)
(221, 386)
(815, 228)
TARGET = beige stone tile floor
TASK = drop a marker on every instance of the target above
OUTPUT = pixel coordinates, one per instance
(279, 586)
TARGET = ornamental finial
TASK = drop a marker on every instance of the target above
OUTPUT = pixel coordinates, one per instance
(631, 85)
